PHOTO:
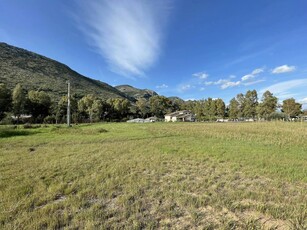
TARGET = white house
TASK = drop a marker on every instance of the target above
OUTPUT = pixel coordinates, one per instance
(184, 115)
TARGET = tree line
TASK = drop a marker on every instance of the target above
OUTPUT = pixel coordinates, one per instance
(90, 108)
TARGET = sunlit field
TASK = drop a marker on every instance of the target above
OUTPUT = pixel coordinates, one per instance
(154, 175)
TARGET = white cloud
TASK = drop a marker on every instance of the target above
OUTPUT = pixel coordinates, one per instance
(225, 83)
(257, 71)
(221, 81)
(253, 82)
(186, 87)
(208, 83)
(201, 75)
(247, 77)
(163, 86)
(287, 89)
(127, 34)
(303, 101)
(283, 69)
(230, 84)
(245, 80)
(252, 75)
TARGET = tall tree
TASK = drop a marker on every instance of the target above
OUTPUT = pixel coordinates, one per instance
(291, 108)
(98, 109)
(250, 104)
(240, 98)
(86, 105)
(5, 100)
(267, 106)
(61, 108)
(220, 108)
(19, 101)
(142, 107)
(207, 108)
(38, 104)
(198, 109)
(212, 110)
(122, 107)
(234, 109)
(177, 104)
(160, 105)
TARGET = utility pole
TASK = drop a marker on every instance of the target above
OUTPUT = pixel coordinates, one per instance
(68, 103)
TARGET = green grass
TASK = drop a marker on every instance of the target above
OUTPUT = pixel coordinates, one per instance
(162, 175)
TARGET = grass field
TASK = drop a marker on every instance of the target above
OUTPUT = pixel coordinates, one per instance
(160, 175)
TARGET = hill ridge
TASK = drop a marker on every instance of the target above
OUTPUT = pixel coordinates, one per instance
(38, 72)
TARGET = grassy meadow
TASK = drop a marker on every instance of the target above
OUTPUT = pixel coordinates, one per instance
(155, 175)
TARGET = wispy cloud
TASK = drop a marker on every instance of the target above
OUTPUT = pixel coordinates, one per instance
(303, 101)
(201, 75)
(246, 80)
(127, 34)
(207, 83)
(287, 89)
(253, 82)
(185, 87)
(252, 75)
(247, 77)
(230, 84)
(163, 86)
(219, 82)
(257, 71)
(283, 69)
(224, 83)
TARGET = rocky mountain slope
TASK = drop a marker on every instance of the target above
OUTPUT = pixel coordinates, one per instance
(136, 93)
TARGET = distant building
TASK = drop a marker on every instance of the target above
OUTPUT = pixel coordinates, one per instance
(22, 117)
(151, 119)
(222, 120)
(136, 120)
(141, 120)
(183, 116)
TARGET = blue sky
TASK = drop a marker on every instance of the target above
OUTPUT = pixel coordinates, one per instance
(191, 49)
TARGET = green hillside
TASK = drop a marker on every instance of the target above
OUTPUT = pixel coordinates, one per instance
(36, 72)
(136, 93)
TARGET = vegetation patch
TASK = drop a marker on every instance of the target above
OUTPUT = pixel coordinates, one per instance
(6, 132)
(161, 175)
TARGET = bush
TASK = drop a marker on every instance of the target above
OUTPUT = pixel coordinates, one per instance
(7, 120)
(30, 126)
(277, 116)
(49, 120)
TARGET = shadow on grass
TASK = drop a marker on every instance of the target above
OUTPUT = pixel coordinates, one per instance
(63, 130)
(6, 133)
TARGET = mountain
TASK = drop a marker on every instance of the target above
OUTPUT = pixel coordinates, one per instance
(136, 93)
(36, 72)
(176, 99)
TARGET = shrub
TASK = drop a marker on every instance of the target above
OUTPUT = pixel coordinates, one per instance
(7, 120)
(49, 119)
(30, 126)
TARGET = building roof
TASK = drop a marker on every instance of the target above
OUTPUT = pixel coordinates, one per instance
(137, 120)
(177, 113)
(183, 115)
